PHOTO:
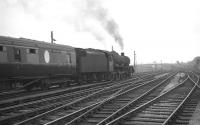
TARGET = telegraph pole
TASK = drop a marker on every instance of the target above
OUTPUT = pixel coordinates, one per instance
(52, 39)
(134, 65)
(134, 59)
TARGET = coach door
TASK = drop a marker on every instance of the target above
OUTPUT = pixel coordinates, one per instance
(3, 54)
(17, 54)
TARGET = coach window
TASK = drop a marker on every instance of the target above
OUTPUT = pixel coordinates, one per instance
(17, 54)
(32, 51)
(69, 58)
(2, 48)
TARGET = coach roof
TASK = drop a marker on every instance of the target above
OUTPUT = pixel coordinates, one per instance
(31, 43)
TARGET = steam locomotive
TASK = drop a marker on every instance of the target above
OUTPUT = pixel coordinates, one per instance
(30, 62)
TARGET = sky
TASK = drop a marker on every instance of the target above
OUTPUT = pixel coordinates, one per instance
(157, 30)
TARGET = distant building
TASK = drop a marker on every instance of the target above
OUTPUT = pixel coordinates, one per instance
(155, 67)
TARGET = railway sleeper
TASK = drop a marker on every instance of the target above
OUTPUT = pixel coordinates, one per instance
(94, 119)
(140, 123)
(184, 117)
(147, 119)
(150, 115)
(112, 106)
(101, 115)
(182, 121)
(157, 112)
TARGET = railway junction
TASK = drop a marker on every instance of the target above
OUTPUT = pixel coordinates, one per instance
(170, 98)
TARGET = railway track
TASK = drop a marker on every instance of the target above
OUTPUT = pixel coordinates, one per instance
(12, 111)
(39, 96)
(157, 111)
(78, 106)
(32, 97)
(53, 117)
(104, 112)
(182, 115)
(25, 98)
(21, 92)
(148, 76)
(194, 77)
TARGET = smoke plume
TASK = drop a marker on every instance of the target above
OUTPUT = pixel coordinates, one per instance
(83, 15)
(94, 9)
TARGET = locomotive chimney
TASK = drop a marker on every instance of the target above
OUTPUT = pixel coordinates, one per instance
(122, 54)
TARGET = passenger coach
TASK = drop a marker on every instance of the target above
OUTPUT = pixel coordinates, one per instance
(25, 59)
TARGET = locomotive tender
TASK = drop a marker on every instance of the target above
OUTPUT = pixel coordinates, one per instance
(22, 59)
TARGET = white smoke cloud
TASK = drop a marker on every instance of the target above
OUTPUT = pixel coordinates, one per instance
(95, 10)
(83, 15)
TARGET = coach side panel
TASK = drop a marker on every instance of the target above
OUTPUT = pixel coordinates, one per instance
(18, 61)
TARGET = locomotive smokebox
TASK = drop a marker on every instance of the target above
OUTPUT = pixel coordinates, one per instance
(122, 54)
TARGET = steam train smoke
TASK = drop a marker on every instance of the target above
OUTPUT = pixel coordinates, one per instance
(98, 12)
(85, 15)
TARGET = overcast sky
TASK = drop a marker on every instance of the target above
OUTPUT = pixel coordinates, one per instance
(167, 30)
